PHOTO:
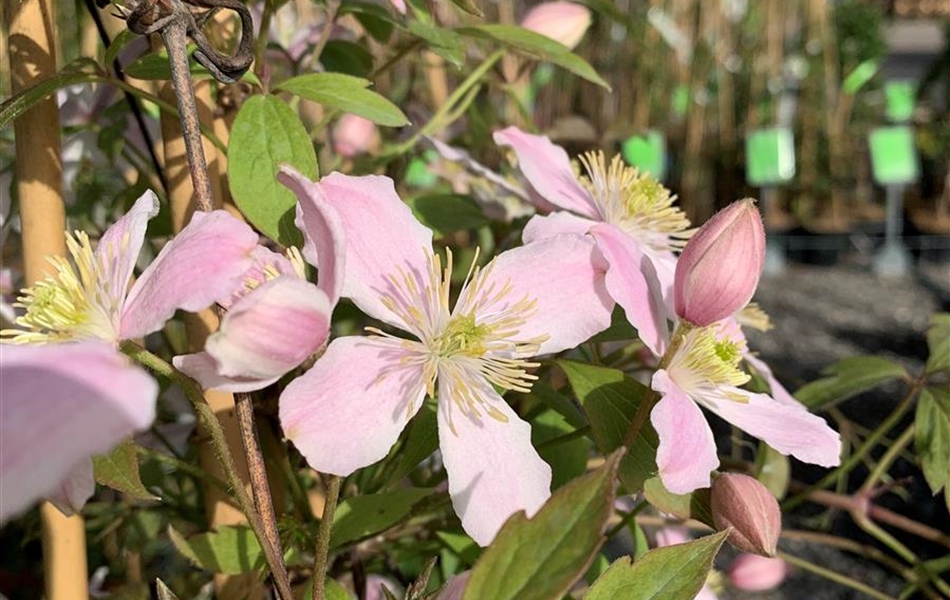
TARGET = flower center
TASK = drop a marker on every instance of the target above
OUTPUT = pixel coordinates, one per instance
(705, 359)
(72, 304)
(475, 343)
(635, 202)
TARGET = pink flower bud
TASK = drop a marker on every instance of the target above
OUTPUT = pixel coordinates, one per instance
(752, 573)
(720, 267)
(741, 502)
(563, 22)
(354, 135)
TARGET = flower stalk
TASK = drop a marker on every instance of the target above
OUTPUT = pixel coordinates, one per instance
(323, 537)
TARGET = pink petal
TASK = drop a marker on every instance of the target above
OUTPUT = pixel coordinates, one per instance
(60, 404)
(399, 5)
(778, 390)
(455, 588)
(633, 282)
(541, 227)
(788, 428)
(548, 169)
(348, 410)
(322, 229)
(493, 469)
(271, 330)
(687, 451)
(382, 237)
(119, 247)
(204, 369)
(670, 535)
(200, 266)
(75, 489)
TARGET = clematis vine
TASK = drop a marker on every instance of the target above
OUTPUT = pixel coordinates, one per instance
(276, 319)
(59, 405)
(630, 216)
(94, 297)
(701, 367)
(348, 410)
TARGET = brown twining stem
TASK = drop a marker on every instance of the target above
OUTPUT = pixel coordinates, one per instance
(320, 561)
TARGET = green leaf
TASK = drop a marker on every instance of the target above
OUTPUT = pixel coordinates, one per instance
(469, 7)
(119, 470)
(938, 340)
(540, 558)
(265, 135)
(536, 46)
(118, 44)
(377, 20)
(567, 459)
(444, 42)
(156, 67)
(847, 378)
(341, 56)
(362, 516)
(422, 439)
(348, 94)
(79, 71)
(232, 549)
(447, 213)
(774, 470)
(620, 329)
(671, 573)
(555, 400)
(695, 505)
(932, 436)
(461, 545)
(612, 401)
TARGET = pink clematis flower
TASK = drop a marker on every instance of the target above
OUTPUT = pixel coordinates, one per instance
(348, 410)
(630, 216)
(59, 405)
(96, 299)
(276, 319)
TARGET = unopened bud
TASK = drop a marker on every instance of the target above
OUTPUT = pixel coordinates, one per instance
(741, 502)
(354, 135)
(753, 573)
(563, 22)
(720, 266)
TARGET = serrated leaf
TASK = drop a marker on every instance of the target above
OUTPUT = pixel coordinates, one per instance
(265, 135)
(612, 400)
(232, 550)
(447, 213)
(932, 436)
(79, 71)
(695, 505)
(119, 470)
(536, 46)
(849, 377)
(540, 558)
(444, 42)
(671, 573)
(348, 94)
(938, 341)
(362, 516)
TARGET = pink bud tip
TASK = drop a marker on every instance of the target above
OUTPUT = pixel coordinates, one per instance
(720, 267)
(753, 573)
(563, 22)
(747, 506)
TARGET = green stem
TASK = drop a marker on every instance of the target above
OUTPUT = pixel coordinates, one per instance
(889, 457)
(323, 538)
(833, 576)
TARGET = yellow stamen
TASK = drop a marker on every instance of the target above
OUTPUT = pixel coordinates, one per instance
(704, 359)
(753, 316)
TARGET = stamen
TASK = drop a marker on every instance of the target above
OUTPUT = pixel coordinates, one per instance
(753, 316)
(705, 359)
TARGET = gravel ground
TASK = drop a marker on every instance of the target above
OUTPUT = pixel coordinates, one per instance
(823, 314)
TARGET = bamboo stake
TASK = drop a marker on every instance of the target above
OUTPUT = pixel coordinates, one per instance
(31, 27)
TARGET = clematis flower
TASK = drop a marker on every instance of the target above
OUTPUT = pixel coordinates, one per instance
(630, 216)
(93, 299)
(703, 370)
(348, 410)
(59, 405)
(276, 319)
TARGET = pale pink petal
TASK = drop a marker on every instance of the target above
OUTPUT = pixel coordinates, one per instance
(204, 369)
(706, 593)
(547, 168)
(778, 390)
(564, 275)
(271, 330)
(664, 262)
(323, 232)
(194, 270)
(687, 451)
(455, 588)
(493, 469)
(120, 245)
(788, 428)
(382, 238)
(75, 489)
(671, 535)
(632, 281)
(348, 410)
(60, 404)
(399, 5)
(541, 227)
